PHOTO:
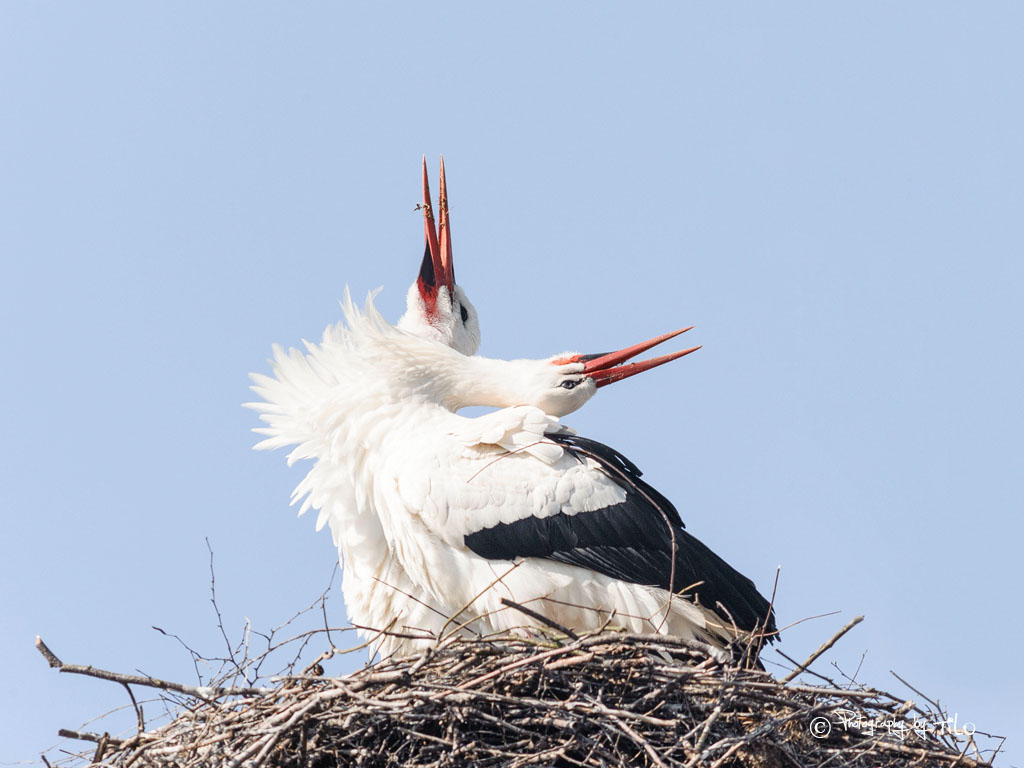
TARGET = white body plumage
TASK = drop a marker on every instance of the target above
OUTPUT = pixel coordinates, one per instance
(402, 480)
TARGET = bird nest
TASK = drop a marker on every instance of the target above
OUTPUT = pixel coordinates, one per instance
(606, 699)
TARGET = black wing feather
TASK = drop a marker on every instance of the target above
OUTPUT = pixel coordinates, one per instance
(632, 541)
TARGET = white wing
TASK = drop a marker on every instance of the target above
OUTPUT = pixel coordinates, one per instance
(516, 486)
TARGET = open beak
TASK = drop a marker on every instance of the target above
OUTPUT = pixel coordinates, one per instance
(437, 268)
(606, 368)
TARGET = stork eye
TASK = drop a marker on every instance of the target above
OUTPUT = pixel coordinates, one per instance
(465, 314)
(569, 384)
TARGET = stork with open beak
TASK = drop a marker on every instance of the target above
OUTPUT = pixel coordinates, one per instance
(438, 517)
(436, 307)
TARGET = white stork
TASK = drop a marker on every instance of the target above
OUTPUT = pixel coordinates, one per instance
(436, 307)
(438, 517)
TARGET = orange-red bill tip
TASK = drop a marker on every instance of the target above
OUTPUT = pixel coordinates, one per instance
(608, 367)
(426, 185)
(430, 233)
(445, 235)
(615, 373)
(621, 356)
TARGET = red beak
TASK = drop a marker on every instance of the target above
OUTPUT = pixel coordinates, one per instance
(605, 368)
(437, 268)
(445, 234)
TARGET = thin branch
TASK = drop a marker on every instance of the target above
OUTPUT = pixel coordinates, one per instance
(199, 692)
(824, 647)
(138, 712)
(541, 618)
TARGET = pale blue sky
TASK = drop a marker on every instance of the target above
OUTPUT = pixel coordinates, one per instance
(831, 193)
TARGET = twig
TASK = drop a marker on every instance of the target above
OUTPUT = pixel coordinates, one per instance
(477, 596)
(216, 608)
(204, 692)
(101, 747)
(935, 704)
(795, 663)
(824, 647)
(95, 738)
(551, 623)
(138, 711)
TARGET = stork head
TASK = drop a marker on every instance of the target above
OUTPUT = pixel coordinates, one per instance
(437, 308)
(564, 383)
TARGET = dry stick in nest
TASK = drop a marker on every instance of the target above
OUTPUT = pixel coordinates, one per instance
(550, 623)
(199, 692)
(824, 647)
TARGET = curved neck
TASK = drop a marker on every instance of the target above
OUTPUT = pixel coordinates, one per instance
(489, 382)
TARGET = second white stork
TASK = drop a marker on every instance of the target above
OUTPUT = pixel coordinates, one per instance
(437, 308)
